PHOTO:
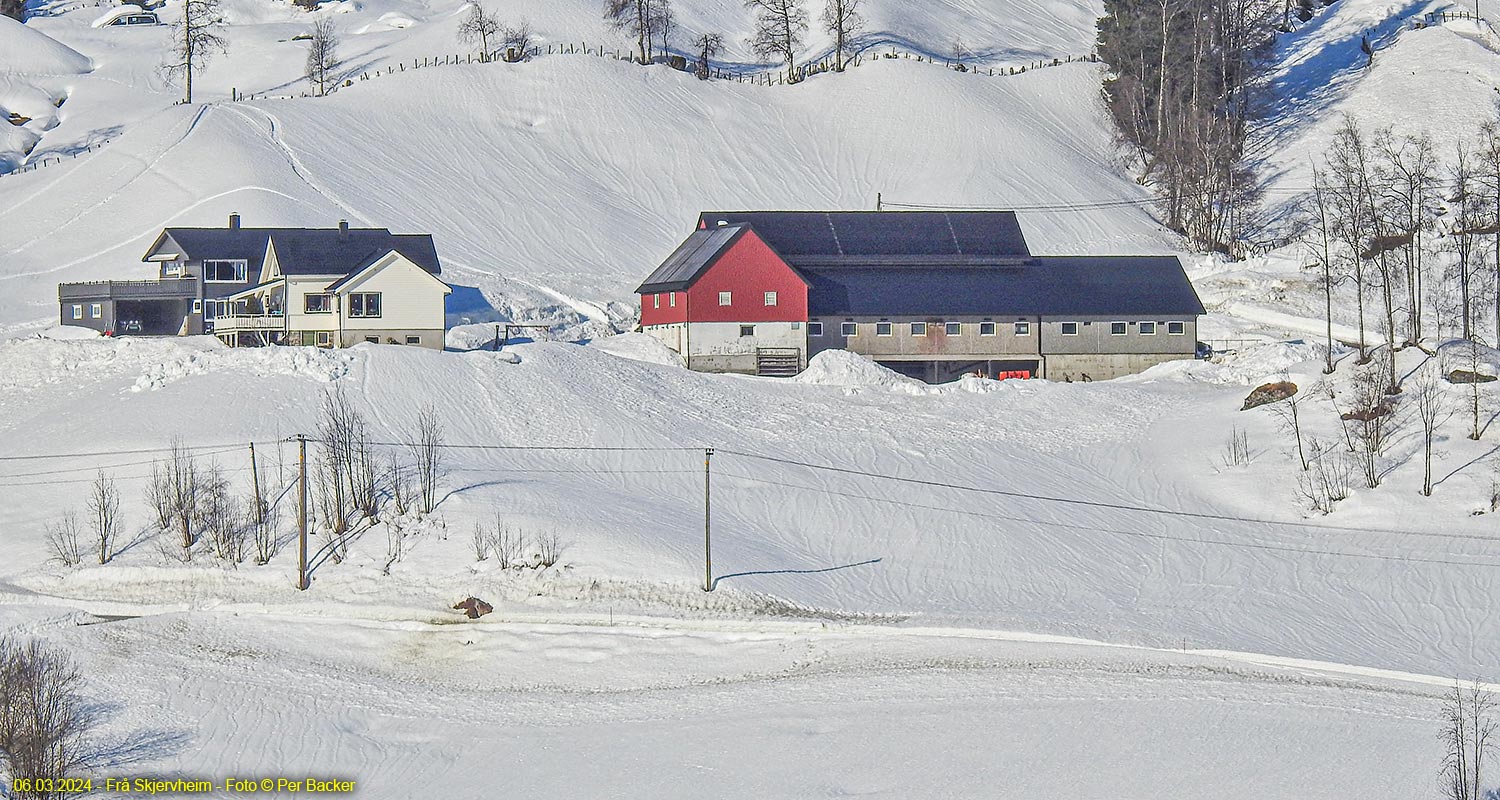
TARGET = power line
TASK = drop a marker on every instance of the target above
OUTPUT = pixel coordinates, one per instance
(1075, 501)
(1116, 531)
(226, 446)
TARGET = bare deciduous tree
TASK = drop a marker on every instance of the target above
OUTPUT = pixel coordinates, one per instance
(222, 519)
(479, 27)
(44, 720)
(1431, 403)
(518, 39)
(427, 452)
(1369, 423)
(195, 37)
(842, 21)
(1327, 480)
(104, 515)
(63, 540)
(648, 21)
(174, 492)
(707, 46)
(1289, 411)
(322, 55)
(347, 474)
(779, 28)
(1470, 734)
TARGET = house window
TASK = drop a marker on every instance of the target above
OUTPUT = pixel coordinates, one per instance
(1023, 328)
(372, 339)
(919, 329)
(413, 340)
(325, 338)
(814, 329)
(986, 329)
(172, 269)
(1070, 329)
(770, 298)
(318, 303)
(197, 306)
(1117, 329)
(672, 299)
(1176, 328)
(364, 304)
(223, 271)
(747, 330)
(848, 329)
(953, 328)
(882, 329)
(725, 298)
(78, 311)
(1148, 329)
(656, 300)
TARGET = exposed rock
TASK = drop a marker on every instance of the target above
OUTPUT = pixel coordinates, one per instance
(1366, 414)
(1269, 393)
(1467, 376)
(474, 608)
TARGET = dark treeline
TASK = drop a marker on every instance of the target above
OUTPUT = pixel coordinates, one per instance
(1185, 78)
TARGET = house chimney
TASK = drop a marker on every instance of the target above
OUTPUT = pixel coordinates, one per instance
(234, 221)
(343, 229)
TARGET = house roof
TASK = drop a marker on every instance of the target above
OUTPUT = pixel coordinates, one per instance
(1049, 286)
(691, 259)
(369, 267)
(855, 238)
(301, 251)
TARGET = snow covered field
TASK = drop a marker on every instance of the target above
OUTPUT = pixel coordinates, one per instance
(1070, 593)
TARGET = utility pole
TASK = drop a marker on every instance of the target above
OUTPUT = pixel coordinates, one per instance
(879, 202)
(260, 509)
(302, 512)
(708, 560)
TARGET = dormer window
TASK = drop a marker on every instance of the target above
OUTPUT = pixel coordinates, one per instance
(224, 271)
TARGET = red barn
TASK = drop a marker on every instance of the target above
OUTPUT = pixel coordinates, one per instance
(934, 295)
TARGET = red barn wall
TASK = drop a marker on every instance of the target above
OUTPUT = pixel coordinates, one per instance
(747, 270)
(667, 314)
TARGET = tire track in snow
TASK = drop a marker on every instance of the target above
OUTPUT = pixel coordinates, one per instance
(298, 167)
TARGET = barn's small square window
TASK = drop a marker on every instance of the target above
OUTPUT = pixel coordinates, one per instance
(317, 303)
(656, 300)
(413, 340)
(1070, 329)
(770, 298)
(1117, 329)
(953, 328)
(1147, 328)
(672, 299)
(747, 330)
(986, 329)
(78, 311)
(1023, 328)
(1176, 328)
(919, 329)
(814, 329)
(882, 329)
(725, 298)
(848, 329)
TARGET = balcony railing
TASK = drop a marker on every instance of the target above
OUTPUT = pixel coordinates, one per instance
(249, 322)
(167, 289)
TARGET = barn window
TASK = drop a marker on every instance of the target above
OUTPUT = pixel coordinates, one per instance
(1023, 328)
(1176, 328)
(656, 300)
(96, 310)
(1070, 329)
(770, 298)
(986, 329)
(672, 299)
(919, 329)
(882, 329)
(848, 329)
(78, 311)
(953, 328)
(814, 329)
(725, 298)
(747, 330)
(1117, 329)
(1148, 328)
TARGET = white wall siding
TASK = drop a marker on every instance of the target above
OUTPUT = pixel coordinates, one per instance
(410, 298)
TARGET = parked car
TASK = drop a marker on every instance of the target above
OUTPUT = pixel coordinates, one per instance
(129, 326)
(136, 19)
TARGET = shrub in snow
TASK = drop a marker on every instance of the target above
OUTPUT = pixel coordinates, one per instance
(63, 541)
(44, 721)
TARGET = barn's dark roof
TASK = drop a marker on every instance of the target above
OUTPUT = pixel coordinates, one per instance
(820, 238)
(1050, 286)
(301, 251)
(689, 260)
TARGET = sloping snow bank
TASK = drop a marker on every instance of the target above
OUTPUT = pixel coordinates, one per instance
(25, 50)
(843, 368)
(638, 347)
